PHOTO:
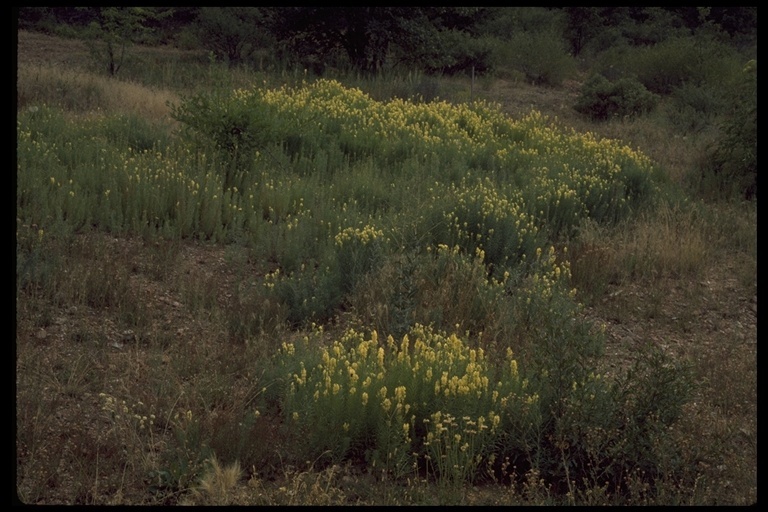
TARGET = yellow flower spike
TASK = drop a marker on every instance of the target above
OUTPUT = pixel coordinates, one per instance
(513, 368)
(404, 345)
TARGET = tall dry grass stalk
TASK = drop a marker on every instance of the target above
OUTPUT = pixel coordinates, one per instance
(81, 91)
(667, 242)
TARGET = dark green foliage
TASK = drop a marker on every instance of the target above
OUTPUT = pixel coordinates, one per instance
(370, 39)
(591, 431)
(591, 30)
(130, 130)
(665, 66)
(602, 99)
(734, 159)
(582, 25)
(541, 57)
(311, 295)
(458, 52)
(113, 31)
(238, 131)
(232, 33)
(314, 36)
(432, 39)
(692, 108)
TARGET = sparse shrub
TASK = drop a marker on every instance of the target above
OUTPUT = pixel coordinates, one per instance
(358, 251)
(238, 127)
(602, 99)
(443, 287)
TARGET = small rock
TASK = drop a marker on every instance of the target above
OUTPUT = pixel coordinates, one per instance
(41, 334)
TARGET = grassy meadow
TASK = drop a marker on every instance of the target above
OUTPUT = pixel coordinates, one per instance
(235, 287)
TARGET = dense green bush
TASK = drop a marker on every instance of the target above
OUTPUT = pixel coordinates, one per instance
(662, 67)
(602, 99)
(541, 56)
(232, 33)
(670, 64)
(455, 53)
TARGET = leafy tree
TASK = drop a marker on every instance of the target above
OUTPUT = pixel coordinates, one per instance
(530, 40)
(370, 36)
(313, 35)
(232, 33)
(444, 39)
(116, 28)
(582, 24)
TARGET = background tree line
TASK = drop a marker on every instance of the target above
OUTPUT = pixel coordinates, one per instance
(700, 60)
(443, 40)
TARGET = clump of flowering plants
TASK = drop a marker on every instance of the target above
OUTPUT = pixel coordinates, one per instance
(429, 401)
(565, 175)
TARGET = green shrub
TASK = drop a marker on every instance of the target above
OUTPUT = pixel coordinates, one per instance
(542, 57)
(692, 108)
(602, 99)
(667, 65)
(733, 164)
(672, 63)
(227, 121)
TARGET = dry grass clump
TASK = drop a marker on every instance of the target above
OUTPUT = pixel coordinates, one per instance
(84, 92)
